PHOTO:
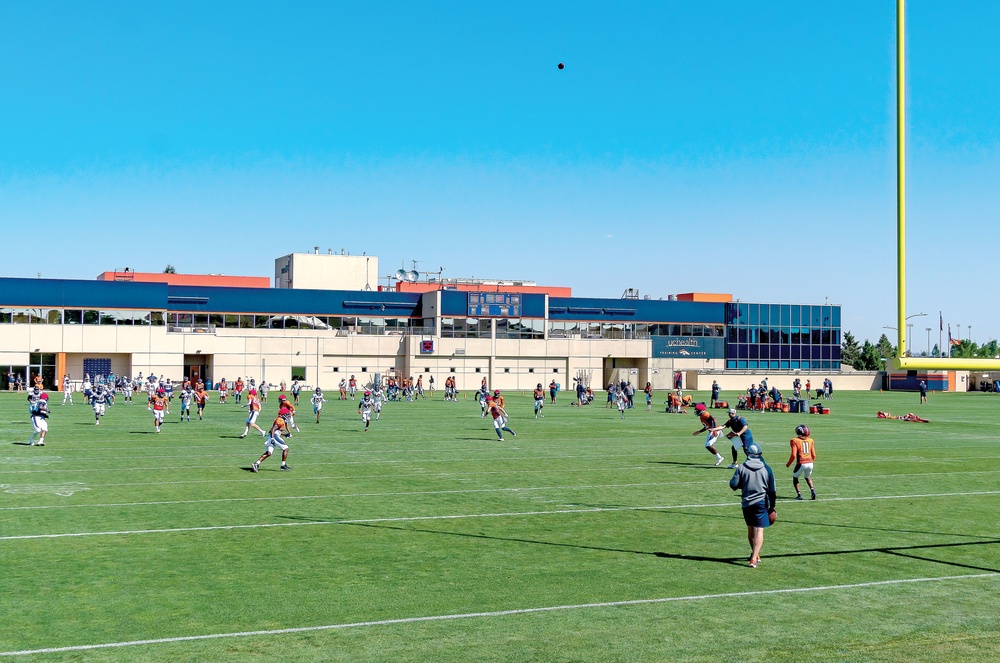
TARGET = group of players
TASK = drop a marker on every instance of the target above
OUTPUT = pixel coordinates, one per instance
(803, 447)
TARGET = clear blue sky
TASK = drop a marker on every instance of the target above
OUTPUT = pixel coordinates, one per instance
(722, 146)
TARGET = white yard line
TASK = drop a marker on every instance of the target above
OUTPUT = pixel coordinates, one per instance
(499, 613)
(513, 514)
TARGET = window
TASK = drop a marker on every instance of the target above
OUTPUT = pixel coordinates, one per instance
(217, 320)
(506, 370)
(298, 372)
(555, 370)
(140, 318)
(157, 318)
(230, 321)
(260, 322)
(479, 370)
(531, 370)
(91, 317)
(71, 316)
(364, 369)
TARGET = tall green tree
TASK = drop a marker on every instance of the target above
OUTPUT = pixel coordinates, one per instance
(850, 351)
(870, 359)
(169, 269)
(885, 347)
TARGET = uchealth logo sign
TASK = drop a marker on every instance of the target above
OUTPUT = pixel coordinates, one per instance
(689, 347)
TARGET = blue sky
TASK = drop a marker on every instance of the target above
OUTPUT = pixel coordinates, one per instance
(716, 146)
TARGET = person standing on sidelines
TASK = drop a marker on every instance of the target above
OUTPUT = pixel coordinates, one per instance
(715, 394)
(40, 421)
(253, 407)
(317, 401)
(553, 392)
(223, 391)
(499, 417)
(273, 439)
(352, 387)
(739, 433)
(67, 386)
(649, 396)
(923, 392)
(709, 424)
(803, 455)
(756, 481)
(238, 389)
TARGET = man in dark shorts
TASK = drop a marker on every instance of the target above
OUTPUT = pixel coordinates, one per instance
(756, 479)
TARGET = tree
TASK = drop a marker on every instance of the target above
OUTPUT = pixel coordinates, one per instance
(169, 269)
(885, 347)
(935, 351)
(850, 351)
(870, 359)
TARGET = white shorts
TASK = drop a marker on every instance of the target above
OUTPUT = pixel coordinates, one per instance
(539, 403)
(366, 416)
(804, 471)
(223, 393)
(252, 419)
(40, 424)
(712, 439)
(317, 408)
(499, 422)
(158, 415)
(272, 442)
(99, 408)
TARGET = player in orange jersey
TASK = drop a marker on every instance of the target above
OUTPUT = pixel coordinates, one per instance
(709, 424)
(201, 399)
(803, 455)
(273, 439)
(223, 390)
(539, 395)
(253, 405)
(158, 402)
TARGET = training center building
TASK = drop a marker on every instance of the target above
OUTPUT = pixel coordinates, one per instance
(321, 321)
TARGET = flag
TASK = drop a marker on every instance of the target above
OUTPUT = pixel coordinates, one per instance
(955, 341)
(941, 319)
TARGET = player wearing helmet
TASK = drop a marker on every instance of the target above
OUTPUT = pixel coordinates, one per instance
(499, 417)
(709, 424)
(481, 396)
(498, 399)
(283, 402)
(187, 395)
(352, 386)
(365, 407)
(739, 433)
(803, 455)
(40, 420)
(317, 401)
(253, 406)
(272, 440)
(158, 403)
(539, 400)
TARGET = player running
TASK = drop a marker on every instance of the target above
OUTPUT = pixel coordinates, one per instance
(201, 400)
(803, 455)
(539, 395)
(272, 439)
(499, 417)
(98, 398)
(317, 401)
(709, 424)
(365, 407)
(159, 404)
(283, 402)
(187, 395)
(352, 387)
(481, 396)
(40, 420)
(253, 405)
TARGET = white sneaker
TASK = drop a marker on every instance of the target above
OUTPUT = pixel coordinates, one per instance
(734, 465)
(718, 461)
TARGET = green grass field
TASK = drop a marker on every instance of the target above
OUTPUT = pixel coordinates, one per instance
(586, 538)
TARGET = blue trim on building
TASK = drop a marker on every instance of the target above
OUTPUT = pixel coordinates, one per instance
(635, 310)
(65, 293)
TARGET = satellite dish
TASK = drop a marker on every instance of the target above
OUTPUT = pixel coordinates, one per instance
(412, 276)
(400, 274)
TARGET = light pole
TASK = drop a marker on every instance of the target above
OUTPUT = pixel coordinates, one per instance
(909, 337)
(909, 326)
(928, 341)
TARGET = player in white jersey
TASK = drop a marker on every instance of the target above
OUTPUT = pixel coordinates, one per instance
(481, 397)
(621, 400)
(40, 421)
(317, 401)
(98, 398)
(67, 386)
(127, 388)
(187, 395)
(365, 407)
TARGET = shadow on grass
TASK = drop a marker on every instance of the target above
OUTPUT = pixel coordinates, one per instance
(701, 466)
(740, 561)
(899, 551)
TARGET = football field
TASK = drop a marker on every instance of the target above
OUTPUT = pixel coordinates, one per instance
(585, 538)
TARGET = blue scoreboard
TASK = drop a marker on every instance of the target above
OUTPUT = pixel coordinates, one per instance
(494, 305)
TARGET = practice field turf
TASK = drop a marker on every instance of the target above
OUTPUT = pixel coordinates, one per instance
(585, 538)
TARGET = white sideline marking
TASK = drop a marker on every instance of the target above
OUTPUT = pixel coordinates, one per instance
(496, 613)
(513, 514)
